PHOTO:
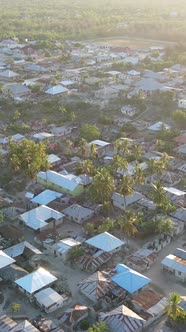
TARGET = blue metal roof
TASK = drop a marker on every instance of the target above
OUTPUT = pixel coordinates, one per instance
(129, 279)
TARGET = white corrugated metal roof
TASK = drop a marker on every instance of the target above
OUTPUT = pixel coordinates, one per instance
(158, 126)
(46, 196)
(5, 260)
(105, 241)
(19, 248)
(36, 280)
(99, 143)
(61, 180)
(53, 158)
(56, 90)
(36, 218)
(174, 191)
(48, 297)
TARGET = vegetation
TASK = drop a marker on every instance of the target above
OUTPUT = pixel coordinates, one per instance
(55, 20)
(89, 132)
(99, 327)
(173, 309)
(28, 157)
(103, 186)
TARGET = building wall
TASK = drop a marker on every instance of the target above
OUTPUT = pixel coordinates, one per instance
(78, 191)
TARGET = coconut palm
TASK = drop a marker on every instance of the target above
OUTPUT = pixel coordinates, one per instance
(103, 186)
(82, 147)
(158, 194)
(139, 174)
(122, 147)
(127, 222)
(137, 151)
(173, 309)
(165, 226)
(86, 167)
(93, 151)
(126, 184)
(119, 163)
(69, 146)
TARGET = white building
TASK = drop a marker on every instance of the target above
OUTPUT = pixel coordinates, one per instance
(182, 103)
(49, 300)
(35, 281)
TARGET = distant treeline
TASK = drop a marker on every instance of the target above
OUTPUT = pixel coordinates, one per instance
(81, 19)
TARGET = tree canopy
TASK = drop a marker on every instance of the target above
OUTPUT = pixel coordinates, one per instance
(28, 156)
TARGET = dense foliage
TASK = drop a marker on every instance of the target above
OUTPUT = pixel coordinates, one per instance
(51, 20)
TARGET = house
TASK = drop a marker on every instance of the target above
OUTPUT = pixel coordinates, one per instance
(35, 281)
(71, 317)
(181, 149)
(182, 103)
(41, 218)
(142, 259)
(69, 183)
(17, 137)
(8, 75)
(22, 250)
(16, 90)
(159, 126)
(55, 90)
(174, 194)
(175, 264)
(145, 204)
(148, 85)
(179, 214)
(122, 319)
(99, 250)
(96, 287)
(134, 73)
(149, 303)
(45, 197)
(38, 137)
(129, 279)
(122, 202)
(102, 147)
(67, 83)
(49, 300)
(78, 213)
(54, 160)
(61, 131)
(7, 324)
(62, 247)
(5, 260)
(35, 68)
(105, 242)
(128, 110)
(45, 324)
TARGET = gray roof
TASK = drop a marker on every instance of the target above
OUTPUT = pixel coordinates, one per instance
(120, 199)
(77, 211)
(19, 248)
(17, 89)
(8, 74)
(179, 214)
(122, 319)
(180, 253)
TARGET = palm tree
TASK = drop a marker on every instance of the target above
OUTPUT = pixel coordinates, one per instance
(86, 167)
(93, 151)
(151, 165)
(119, 163)
(127, 223)
(122, 146)
(82, 147)
(165, 226)
(137, 151)
(158, 194)
(126, 184)
(173, 309)
(139, 174)
(69, 146)
(103, 186)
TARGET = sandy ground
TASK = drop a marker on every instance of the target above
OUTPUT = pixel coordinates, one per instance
(163, 280)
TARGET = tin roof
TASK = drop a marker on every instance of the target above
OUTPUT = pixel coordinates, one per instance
(122, 319)
(105, 241)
